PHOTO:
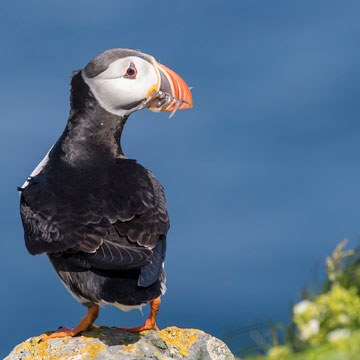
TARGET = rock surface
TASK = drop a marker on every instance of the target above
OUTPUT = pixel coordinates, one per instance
(110, 344)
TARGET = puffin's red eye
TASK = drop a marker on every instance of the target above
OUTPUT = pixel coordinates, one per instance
(131, 71)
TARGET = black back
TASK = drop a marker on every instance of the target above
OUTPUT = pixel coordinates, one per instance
(90, 204)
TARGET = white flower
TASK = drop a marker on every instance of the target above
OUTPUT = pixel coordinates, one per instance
(309, 329)
(338, 334)
(301, 307)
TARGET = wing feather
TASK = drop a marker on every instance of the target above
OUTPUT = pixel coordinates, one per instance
(113, 222)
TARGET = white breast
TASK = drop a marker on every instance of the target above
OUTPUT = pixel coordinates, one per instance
(38, 169)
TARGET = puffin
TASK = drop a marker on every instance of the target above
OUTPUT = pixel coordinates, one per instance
(99, 216)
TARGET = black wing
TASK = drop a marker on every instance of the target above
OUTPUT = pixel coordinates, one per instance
(107, 218)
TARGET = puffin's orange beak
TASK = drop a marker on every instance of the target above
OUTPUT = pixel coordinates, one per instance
(172, 92)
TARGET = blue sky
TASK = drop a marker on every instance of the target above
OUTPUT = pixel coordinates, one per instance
(261, 177)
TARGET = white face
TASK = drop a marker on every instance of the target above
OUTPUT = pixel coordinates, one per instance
(119, 89)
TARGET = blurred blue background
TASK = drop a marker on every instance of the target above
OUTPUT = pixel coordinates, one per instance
(261, 177)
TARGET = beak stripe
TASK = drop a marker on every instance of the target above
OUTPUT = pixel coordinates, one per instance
(175, 86)
(158, 77)
(171, 82)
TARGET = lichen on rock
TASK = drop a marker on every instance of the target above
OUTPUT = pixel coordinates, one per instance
(110, 344)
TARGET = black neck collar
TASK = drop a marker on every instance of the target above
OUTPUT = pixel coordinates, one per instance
(91, 130)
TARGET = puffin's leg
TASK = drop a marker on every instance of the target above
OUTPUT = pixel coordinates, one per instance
(150, 323)
(86, 323)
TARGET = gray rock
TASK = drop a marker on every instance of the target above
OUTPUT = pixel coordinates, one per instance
(110, 344)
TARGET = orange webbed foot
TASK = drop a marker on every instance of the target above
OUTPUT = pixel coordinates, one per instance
(86, 323)
(150, 323)
(62, 332)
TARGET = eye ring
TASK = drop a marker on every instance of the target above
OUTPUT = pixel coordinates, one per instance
(131, 71)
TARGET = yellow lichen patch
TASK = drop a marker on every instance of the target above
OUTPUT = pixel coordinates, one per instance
(144, 332)
(92, 350)
(44, 351)
(129, 347)
(181, 339)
